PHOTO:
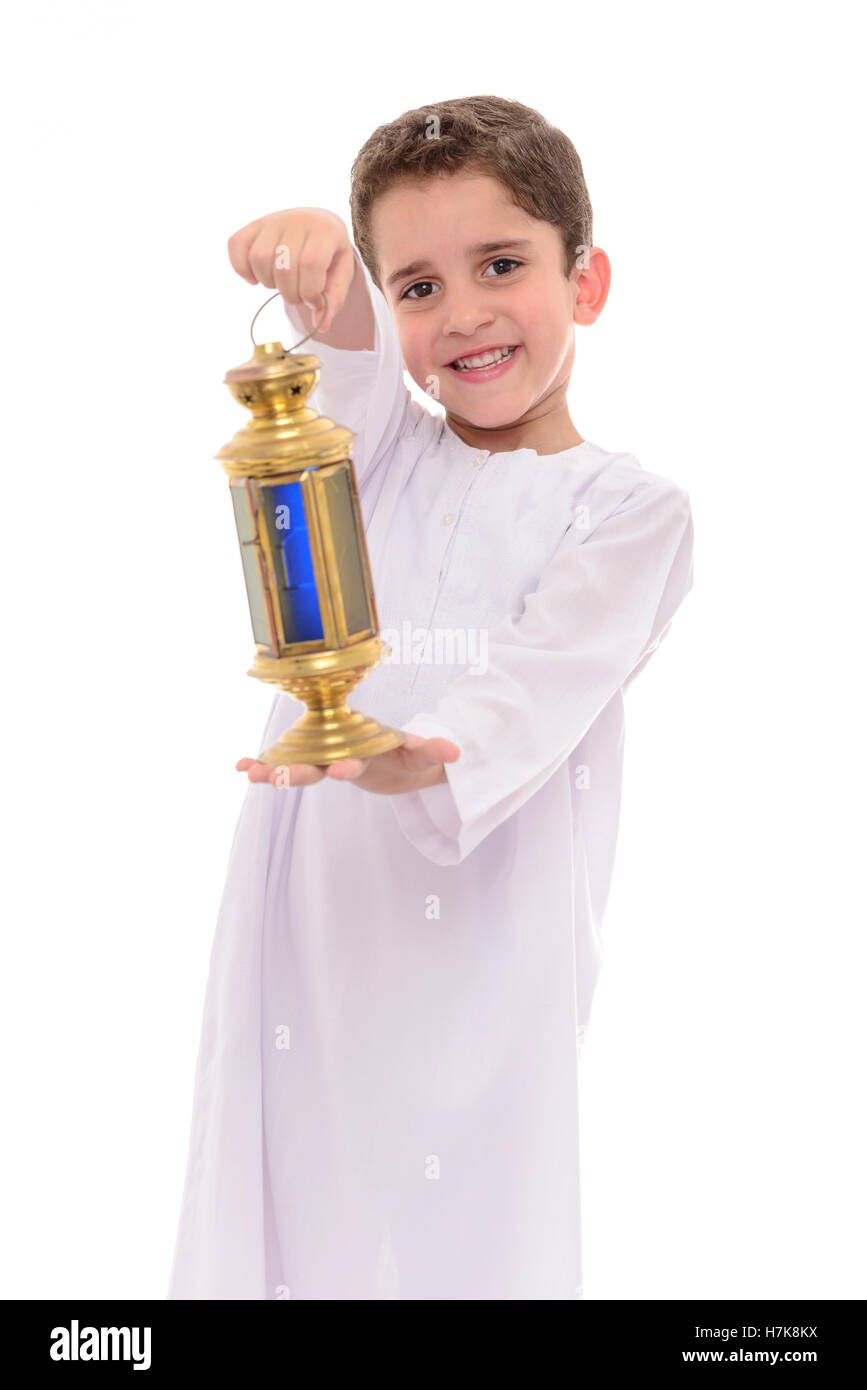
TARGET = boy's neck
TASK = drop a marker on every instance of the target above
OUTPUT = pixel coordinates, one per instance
(549, 434)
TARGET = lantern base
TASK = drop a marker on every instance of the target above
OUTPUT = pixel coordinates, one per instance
(329, 731)
(329, 736)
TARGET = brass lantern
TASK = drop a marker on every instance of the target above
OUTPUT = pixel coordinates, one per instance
(305, 559)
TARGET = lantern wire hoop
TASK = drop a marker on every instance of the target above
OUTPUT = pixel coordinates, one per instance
(301, 340)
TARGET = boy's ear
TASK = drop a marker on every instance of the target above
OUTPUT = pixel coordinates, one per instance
(594, 281)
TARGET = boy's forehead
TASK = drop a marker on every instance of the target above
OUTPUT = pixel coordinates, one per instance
(444, 198)
(411, 216)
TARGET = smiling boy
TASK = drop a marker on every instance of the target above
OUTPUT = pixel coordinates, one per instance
(430, 952)
(541, 291)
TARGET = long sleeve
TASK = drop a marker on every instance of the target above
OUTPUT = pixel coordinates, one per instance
(362, 388)
(603, 604)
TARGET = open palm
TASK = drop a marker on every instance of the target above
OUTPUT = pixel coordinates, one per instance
(417, 763)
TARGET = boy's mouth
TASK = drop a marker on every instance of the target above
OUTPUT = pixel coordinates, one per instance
(484, 365)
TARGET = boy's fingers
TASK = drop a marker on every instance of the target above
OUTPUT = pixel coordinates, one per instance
(433, 750)
(296, 775)
(286, 775)
(239, 251)
(256, 771)
(411, 743)
(347, 769)
(340, 277)
(335, 276)
(310, 271)
(270, 269)
(447, 752)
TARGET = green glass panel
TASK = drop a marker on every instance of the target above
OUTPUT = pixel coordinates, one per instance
(348, 537)
(250, 562)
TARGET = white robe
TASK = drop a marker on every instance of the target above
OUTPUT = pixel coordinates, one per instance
(386, 1095)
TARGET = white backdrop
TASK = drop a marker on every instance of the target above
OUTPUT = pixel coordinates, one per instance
(723, 1129)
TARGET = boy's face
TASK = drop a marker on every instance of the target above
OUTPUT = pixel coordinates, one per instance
(464, 299)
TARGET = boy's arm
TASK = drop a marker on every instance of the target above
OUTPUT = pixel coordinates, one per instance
(602, 606)
(361, 382)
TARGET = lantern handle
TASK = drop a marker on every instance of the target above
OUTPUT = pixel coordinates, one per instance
(306, 336)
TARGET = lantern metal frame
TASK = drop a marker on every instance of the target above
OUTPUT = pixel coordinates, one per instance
(286, 442)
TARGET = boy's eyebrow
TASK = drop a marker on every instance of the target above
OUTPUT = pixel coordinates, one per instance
(482, 248)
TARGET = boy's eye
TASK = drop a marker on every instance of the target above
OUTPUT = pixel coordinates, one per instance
(504, 260)
(406, 293)
(501, 260)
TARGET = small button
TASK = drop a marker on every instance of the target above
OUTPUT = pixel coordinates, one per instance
(480, 458)
(448, 519)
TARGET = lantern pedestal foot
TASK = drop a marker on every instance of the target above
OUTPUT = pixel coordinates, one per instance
(328, 731)
(329, 736)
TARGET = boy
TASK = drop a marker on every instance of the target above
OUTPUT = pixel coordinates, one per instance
(386, 1093)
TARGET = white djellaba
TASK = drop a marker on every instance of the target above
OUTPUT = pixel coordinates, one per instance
(386, 1095)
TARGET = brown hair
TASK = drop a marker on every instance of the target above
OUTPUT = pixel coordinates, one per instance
(535, 161)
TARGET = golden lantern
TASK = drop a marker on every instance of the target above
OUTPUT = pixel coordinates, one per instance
(304, 556)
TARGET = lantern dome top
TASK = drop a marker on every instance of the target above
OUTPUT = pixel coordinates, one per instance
(285, 434)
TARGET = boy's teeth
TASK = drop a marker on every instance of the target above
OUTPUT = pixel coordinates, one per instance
(487, 359)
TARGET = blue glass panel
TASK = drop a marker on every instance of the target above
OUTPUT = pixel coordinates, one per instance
(282, 506)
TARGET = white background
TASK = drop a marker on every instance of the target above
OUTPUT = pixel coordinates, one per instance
(722, 1080)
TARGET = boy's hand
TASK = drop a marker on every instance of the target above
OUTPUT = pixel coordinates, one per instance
(417, 763)
(300, 252)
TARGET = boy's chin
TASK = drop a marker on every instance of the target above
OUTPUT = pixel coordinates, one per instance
(488, 415)
(502, 418)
